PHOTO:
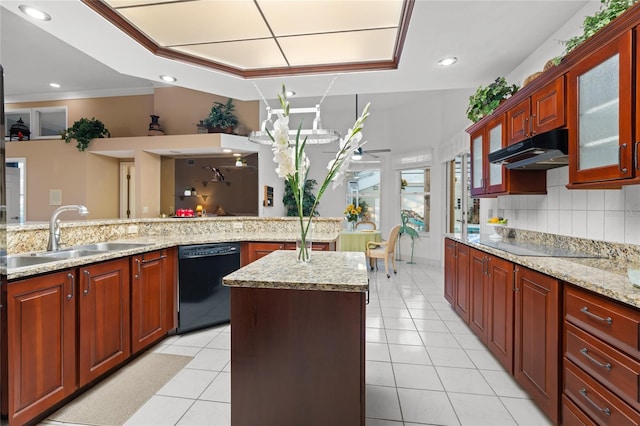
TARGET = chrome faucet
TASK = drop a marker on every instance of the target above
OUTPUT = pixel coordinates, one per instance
(54, 224)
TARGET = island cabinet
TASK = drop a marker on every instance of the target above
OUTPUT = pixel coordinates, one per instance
(544, 110)
(41, 341)
(103, 318)
(602, 149)
(153, 289)
(298, 340)
(601, 360)
(536, 338)
(491, 180)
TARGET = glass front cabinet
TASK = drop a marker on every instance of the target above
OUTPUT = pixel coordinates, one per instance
(599, 105)
(487, 178)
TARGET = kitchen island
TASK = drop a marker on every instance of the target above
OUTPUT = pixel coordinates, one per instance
(298, 339)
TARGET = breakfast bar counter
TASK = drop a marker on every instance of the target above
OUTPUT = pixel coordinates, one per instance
(298, 339)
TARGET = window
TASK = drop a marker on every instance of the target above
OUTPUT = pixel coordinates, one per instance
(415, 198)
(44, 123)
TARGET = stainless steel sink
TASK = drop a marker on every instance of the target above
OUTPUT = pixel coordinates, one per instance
(70, 253)
(108, 246)
(21, 261)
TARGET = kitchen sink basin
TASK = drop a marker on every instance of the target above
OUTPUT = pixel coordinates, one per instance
(111, 246)
(21, 261)
(69, 254)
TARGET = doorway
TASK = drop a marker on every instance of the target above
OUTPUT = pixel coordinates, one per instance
(127, 190)
(463, 211)
(363, 189)
(16, 195)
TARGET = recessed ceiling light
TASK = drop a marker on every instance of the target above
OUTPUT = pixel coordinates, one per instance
(56, 85)
(227, 150)
(237, 155)
(168, 78)
(357, 155)
(445, 62)
(290, 93)
(34, 13)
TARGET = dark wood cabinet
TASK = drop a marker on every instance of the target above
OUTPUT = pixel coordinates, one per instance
(536, 338)
(41, 339)
(478, 285)
(500, 310)
(601, 358)
(600, 105)
(252, 251)
(457, 289)
(152, 295)
(544, 110)
(491, 180)
(103, 318)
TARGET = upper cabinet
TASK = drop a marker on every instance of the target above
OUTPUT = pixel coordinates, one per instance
(544, 110)
(491, 180)
(600, 102)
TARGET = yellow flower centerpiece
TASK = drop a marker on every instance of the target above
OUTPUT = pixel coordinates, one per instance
(352, 213)
(293, 165)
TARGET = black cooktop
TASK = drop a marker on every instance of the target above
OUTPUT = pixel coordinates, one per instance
(538, 250)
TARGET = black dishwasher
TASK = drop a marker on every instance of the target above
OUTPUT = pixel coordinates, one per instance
(202, 299)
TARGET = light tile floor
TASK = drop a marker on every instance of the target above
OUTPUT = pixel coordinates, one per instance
(423, 366)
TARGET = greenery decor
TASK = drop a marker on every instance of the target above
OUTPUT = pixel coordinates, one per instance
(222, 116)
(83, 131)
(609, 10)
(487, 99)
(308, 199)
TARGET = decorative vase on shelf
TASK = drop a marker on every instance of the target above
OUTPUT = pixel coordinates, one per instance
(154, 126)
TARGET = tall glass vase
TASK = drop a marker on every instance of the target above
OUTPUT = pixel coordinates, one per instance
(303, 242)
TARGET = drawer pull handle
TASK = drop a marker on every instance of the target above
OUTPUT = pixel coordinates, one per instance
(583, 392)
(608, 320)
(585, 352)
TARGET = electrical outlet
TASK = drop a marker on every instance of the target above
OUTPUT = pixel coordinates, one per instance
(237, 225)
(132, 229)
(145, 209)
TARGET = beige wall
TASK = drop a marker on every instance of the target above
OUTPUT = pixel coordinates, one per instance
(92, 179)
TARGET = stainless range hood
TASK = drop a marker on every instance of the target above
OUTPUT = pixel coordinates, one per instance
(540, 152)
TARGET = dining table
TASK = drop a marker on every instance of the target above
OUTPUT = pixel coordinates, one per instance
(357, 240)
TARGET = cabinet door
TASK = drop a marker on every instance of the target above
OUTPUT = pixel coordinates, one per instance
(449, 270)
(518, 122)
(495, 173)
(537, 325)
(148, 299)
(258, 250)
(548, 107)
(477, 163)
(104, 330)
(599, 109)
(462, 301)
(500, 311)
(41, 341)
(479, 293)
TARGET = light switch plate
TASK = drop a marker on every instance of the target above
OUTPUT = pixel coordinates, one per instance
(55, 197)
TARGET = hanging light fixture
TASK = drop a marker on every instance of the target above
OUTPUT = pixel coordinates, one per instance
(315, 135)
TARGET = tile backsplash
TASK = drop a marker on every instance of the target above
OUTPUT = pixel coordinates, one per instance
(607, 214)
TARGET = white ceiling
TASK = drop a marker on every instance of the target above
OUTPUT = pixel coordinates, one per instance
(88, 56)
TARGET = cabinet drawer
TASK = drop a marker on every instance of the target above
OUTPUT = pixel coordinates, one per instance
(572, 415)
(595, 400)
(605, 319)
(612, 368)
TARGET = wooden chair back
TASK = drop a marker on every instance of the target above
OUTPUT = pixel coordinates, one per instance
(366, 224)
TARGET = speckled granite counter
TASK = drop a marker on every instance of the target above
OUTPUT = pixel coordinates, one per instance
(327, 271)
(157, 234)
(607, 276)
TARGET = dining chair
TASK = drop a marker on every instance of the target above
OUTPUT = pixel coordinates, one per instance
(366, 224)
(384, 250)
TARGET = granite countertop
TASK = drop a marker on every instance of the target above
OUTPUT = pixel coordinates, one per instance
(605, 275)
(157, 243)
(327, 271)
